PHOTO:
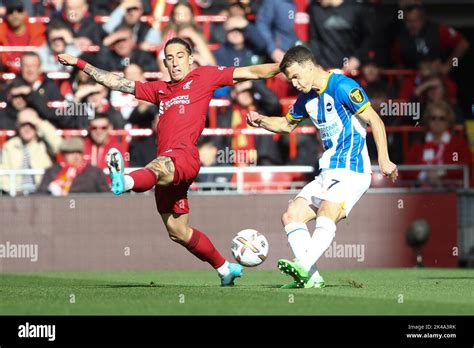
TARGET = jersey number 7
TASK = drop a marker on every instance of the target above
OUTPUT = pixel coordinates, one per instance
(334, 183)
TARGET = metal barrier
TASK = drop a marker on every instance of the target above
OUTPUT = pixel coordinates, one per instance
(239, 172)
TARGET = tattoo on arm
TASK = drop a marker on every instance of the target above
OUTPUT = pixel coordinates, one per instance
(110, 80)
(162, 166)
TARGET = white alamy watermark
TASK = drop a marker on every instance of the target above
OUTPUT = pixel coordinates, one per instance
(232, 157)
(19, 251)
(346, 251)
(28, 330)
(73, 109)
(396, 108)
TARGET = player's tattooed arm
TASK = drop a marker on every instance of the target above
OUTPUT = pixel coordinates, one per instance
(103, 77)
(163, 167)
(110, 80)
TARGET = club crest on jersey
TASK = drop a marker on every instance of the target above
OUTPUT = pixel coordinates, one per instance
(187, 85)
(356, 95)
(328, 107)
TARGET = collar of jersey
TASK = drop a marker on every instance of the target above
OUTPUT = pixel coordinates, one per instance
(326, 84)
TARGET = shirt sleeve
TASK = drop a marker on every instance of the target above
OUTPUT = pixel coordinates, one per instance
(448, 37)
(219, 76)
(148, 91)
(352, 96)
(297, 111)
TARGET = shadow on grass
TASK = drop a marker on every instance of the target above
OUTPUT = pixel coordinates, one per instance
(327, 286)
(120, 286)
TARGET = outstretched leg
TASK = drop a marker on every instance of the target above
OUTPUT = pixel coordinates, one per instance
(200, 246)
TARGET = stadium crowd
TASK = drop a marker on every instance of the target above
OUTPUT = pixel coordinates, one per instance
(38, 95)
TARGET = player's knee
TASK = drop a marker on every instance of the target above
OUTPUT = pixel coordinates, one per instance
(178, 235)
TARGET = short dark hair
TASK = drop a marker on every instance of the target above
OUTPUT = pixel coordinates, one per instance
(30, 54)
(178, 40)
(297, 54)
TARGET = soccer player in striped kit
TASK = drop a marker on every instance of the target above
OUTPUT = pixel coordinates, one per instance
(341, 110)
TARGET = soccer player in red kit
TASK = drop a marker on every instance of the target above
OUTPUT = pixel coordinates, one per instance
(183, 104)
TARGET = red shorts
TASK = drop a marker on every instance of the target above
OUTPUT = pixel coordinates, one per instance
(174, 198)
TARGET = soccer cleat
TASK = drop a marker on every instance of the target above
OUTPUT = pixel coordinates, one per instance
(115, 163)
(317, 283)
(294, 269)
(293, 285)
(235, 272)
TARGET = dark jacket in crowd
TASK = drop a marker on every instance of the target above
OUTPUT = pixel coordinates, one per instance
(92, 179)
(339, 32)
(109, 60)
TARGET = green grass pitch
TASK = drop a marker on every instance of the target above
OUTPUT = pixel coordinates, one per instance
(348, 292)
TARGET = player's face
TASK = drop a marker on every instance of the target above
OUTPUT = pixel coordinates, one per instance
(178, 61)
(301, 76)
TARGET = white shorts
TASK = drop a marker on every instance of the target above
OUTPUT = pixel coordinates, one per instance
(340, 185)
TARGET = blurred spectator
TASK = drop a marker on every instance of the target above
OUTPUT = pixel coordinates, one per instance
(19, 97)
(420, 37)
(34, 147)
(120, 50)
(77, 17)
(181, 15)
(73, 174)
(246, 96)
(182, 24)
(60, 40)
(417, 84)
(340, 33)
(208, 154)
(48, 8)
(126, 102)
(234, 51)
(96, 95)
(142, 149)
(201, 52)
(129, 13)
(230, 8)
(33, 75)
(99, 141)
(434, 88)
(17, 31)
(440, 146)
(371, 73)
(378, 94)
(276, 27)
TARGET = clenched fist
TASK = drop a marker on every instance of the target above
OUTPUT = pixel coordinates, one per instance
(67, 59)
(254, 119)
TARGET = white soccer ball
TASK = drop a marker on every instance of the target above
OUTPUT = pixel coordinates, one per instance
(250, 248)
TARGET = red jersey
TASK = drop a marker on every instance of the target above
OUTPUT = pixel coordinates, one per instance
(183, 105)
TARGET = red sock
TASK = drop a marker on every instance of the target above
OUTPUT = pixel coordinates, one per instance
(201, 246)
(144, 179)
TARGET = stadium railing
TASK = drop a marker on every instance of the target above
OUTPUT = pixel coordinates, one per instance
(126, 134)
(241, 186)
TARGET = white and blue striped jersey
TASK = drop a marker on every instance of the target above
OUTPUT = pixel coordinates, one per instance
(334, 112)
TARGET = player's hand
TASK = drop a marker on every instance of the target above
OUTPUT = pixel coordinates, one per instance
(388, 168)
(67, 59)
(254, 119)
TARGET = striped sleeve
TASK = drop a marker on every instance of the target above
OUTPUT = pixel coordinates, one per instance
(352, 95)
(297, 111)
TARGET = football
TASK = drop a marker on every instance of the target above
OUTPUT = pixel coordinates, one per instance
(250, 248)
